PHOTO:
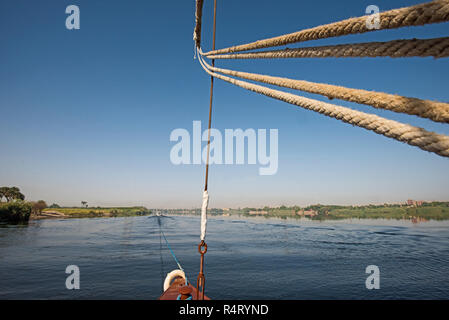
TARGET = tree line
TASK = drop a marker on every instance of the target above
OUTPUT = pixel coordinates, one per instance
(13, 195)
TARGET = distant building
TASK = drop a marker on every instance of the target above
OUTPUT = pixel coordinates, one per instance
(258, 212)
(307, 213)
(415, 203)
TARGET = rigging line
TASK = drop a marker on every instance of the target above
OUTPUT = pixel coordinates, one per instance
(211, 98)
(433, 110)
(415, 136)
(437, 48)
(169, 248)
(421, 14)
(202, 247)
(172, 253)
(198, 18)
(160, 252)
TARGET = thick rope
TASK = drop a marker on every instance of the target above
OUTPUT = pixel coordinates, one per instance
(436, 111)
(421, 14)
(437, 48)
(411, 135)
(198, 18)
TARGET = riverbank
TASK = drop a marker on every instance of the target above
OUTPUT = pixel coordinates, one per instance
(98, 212)
(48, 215)
(417, 211)
(15, 212)
(420, 212)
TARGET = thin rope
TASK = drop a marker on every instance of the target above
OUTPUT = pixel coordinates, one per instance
(421, 14)
(406, 133)
(206, 179)
(172, 253)
(160, 252)
(437, 48)
(211, 98)
(433, 110)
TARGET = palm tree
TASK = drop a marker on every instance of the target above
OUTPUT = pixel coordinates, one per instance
(84, 204)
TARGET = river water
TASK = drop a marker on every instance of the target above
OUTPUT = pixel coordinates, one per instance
(248, 258)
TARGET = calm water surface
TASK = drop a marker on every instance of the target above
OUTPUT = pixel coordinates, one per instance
(124, 258)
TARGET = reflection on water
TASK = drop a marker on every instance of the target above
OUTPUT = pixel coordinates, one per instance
(257, 258)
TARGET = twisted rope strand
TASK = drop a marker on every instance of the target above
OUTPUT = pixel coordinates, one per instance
(406, 133)
(433, 110)
(198, 18)
(426, 13)
(437, 48)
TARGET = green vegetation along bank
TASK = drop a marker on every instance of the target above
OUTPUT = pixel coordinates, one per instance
(93, 212)
(415, 211)
(15, 209)
(15, 212)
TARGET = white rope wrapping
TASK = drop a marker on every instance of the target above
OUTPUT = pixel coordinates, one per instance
(204, 215)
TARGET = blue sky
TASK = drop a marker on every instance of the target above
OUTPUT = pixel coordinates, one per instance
(87, 114)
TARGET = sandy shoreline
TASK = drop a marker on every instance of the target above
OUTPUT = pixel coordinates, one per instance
(48, 215)
(60, 215)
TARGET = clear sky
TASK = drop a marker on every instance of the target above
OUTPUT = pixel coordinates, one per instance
(87, 114)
